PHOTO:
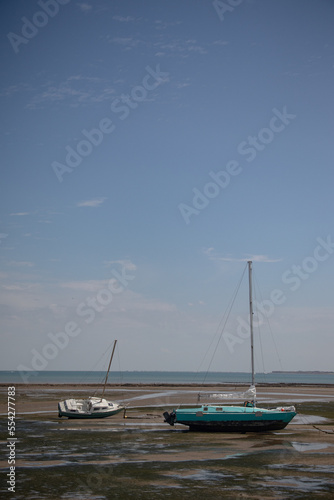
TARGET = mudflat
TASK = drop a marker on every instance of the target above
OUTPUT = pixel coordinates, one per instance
(134, 454)
(44, 397)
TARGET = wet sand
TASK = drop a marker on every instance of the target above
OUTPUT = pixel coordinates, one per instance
(44, 397)
(89, 458)
(145, 404)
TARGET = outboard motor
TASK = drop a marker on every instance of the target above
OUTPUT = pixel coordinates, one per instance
(170, 417)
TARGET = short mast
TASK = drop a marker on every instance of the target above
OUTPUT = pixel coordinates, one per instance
(251, 318)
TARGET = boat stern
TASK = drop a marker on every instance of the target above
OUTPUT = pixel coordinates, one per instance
(61, 409)
(287, 413)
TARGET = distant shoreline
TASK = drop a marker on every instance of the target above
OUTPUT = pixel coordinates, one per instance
(167, 384)
(313, 372)
(170, 371)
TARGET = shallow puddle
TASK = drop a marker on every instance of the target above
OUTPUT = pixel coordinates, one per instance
(309, 446)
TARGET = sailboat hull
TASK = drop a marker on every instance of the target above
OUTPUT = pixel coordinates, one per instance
(234, 426)
(72, 408)
(64, 413)
(231, 419)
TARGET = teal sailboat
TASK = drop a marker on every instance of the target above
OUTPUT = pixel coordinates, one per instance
(247, 417)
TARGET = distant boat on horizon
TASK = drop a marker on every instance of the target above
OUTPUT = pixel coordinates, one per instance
(91, 407)
(228, 418)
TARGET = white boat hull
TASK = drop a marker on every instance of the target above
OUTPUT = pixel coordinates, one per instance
(88, 408)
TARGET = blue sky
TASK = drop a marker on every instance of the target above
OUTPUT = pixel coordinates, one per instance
(149, 149)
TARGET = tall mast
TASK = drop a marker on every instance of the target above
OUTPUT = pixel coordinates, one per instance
(106, 379)
(251, 318)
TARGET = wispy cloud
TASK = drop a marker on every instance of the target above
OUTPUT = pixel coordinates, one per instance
(125, 263)
(122, 19)
(85, 286)
(181, 85)
(20, 263)
(84, 6)
(127, 42)
(79, 89)
(180, 47)
(221, 42)
(262, 258)
(214, 256)
(19, 214)
(15, 89)
(96, 202)
(162, 25)
(170, 47)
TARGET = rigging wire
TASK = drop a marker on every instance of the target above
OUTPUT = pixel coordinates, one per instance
(103, 356)
(223, 321)
(271, 332)
(258, 327)
(120, 373)
(88, 375)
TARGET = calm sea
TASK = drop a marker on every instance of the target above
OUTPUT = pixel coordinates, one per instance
(156, 377)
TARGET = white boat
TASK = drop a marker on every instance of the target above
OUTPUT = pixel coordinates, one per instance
(91, 407)
(247, 417)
